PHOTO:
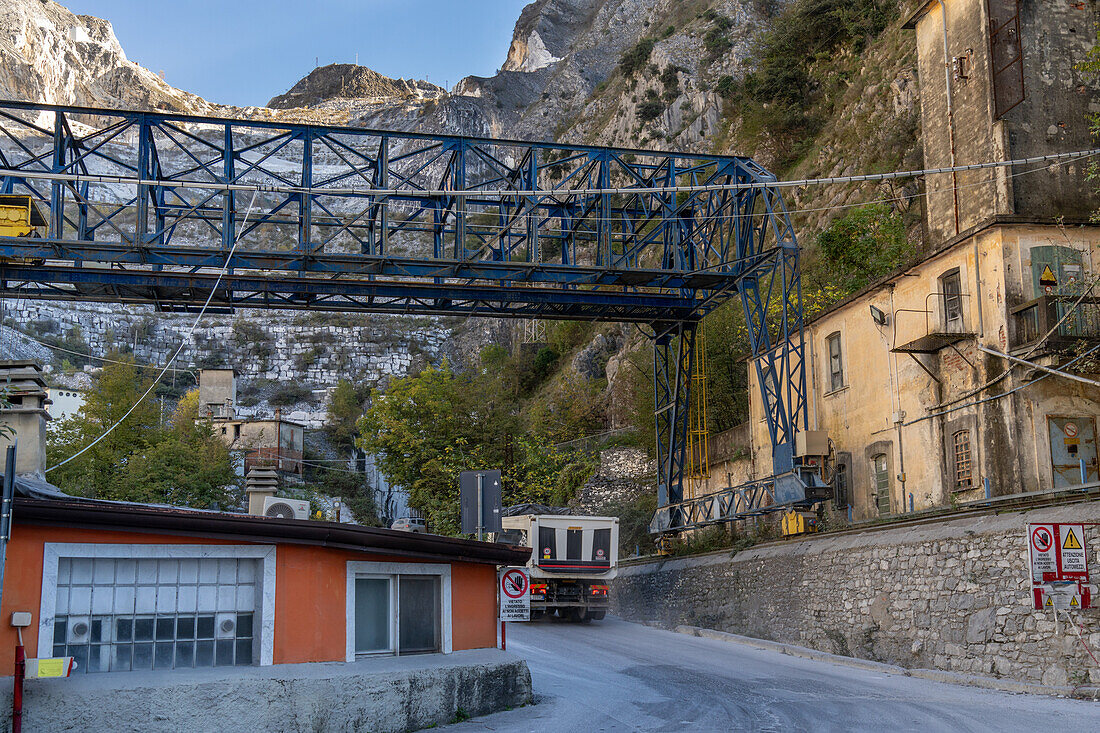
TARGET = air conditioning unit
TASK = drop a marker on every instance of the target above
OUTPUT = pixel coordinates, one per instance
(280, 508)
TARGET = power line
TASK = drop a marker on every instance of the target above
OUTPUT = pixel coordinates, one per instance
(183, 342)
(462, 194)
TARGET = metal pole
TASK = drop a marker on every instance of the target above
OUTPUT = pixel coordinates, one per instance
(988, 488)
(17, 693)
(480, 498)
(1084, 472)
(503, 643)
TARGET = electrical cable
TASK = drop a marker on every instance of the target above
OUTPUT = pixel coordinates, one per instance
(991, 398)
(183, 342)
(460, 194)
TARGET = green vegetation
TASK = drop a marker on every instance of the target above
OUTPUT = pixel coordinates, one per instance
(865, 244)
(181, 462)
(636, 57)
(427, 428)
(786, 94)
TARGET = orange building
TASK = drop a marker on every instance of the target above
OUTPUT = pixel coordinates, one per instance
(129, 586)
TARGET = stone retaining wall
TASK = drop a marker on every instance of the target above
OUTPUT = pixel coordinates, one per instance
(953, 595)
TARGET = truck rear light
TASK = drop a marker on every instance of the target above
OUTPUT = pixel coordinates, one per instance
(599, 590)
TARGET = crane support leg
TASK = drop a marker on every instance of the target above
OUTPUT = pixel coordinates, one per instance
(673, 354)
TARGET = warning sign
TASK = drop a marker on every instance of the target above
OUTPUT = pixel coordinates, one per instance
(1058, 558)
(50, 667)
(1047, 279)
(515, 595)
(1072, 558)
(1070, 430)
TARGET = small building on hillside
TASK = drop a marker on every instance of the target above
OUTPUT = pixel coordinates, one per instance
(64, 402)
(262, 441)
(915, 379)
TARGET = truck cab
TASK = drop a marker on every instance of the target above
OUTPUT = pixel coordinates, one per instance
(573, 560)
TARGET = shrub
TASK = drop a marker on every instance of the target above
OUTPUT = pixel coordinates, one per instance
(635, 58)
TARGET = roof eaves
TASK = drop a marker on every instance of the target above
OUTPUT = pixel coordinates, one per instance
(245, 527)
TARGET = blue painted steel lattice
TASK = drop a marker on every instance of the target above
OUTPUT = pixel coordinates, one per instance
(149, 208)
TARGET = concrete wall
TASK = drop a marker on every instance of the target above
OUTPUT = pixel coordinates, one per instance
(952, 595)
(395, 694)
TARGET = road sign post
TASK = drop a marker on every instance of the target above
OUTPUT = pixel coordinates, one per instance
(480, 502)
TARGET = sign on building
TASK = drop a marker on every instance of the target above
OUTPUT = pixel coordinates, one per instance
(515, 595)
(1058, 560)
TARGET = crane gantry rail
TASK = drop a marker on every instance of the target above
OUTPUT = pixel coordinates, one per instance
(152, 208)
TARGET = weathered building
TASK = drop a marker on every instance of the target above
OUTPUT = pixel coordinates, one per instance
(263, 441)
(910, 377)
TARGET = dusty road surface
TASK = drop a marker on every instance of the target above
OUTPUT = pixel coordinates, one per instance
(616, 676)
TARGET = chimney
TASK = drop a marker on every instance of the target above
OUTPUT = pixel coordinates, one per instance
(25, 417)
(259, 484)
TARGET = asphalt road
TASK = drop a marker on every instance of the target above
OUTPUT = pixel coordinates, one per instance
(616, 676)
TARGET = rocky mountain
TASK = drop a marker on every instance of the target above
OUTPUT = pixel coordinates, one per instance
(48, 54)
(349, 81)
(661, 74)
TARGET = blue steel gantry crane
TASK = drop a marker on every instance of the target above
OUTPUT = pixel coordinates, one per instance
(150, 208)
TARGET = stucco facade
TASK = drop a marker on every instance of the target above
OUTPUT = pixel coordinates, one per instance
(900, 407)
(1012, 90)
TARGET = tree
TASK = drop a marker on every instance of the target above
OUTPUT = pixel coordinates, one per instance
(183, 463)
(426, 429)
(344, 409)
(865, 244)
(351, 487)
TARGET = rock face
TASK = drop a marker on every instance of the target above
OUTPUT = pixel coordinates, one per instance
(50, 55)
(349, 81)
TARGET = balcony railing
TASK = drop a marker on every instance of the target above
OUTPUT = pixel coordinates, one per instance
(1036, 318)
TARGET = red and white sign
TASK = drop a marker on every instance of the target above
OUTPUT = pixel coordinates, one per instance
(515, 595)
(1041, 552)
(1058, 559)
(1070, 430)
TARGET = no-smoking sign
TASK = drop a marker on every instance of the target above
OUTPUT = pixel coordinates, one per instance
(515, 595)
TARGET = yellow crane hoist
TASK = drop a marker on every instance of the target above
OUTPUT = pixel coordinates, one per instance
(698, 461)
(19, 216)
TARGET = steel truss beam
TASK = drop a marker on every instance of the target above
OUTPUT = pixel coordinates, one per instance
(150, 208)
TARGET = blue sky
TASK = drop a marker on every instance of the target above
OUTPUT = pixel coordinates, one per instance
(248, 51)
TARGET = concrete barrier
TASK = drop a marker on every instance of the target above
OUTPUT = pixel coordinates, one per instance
(378, 695)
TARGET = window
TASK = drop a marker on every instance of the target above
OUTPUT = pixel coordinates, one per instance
(398, 608)
(963, 473)
(836, 363)
(880, 482)
(951, 291)
(840, 480)
(133, 607)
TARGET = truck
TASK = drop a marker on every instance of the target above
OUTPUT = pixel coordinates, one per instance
(573, 559)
